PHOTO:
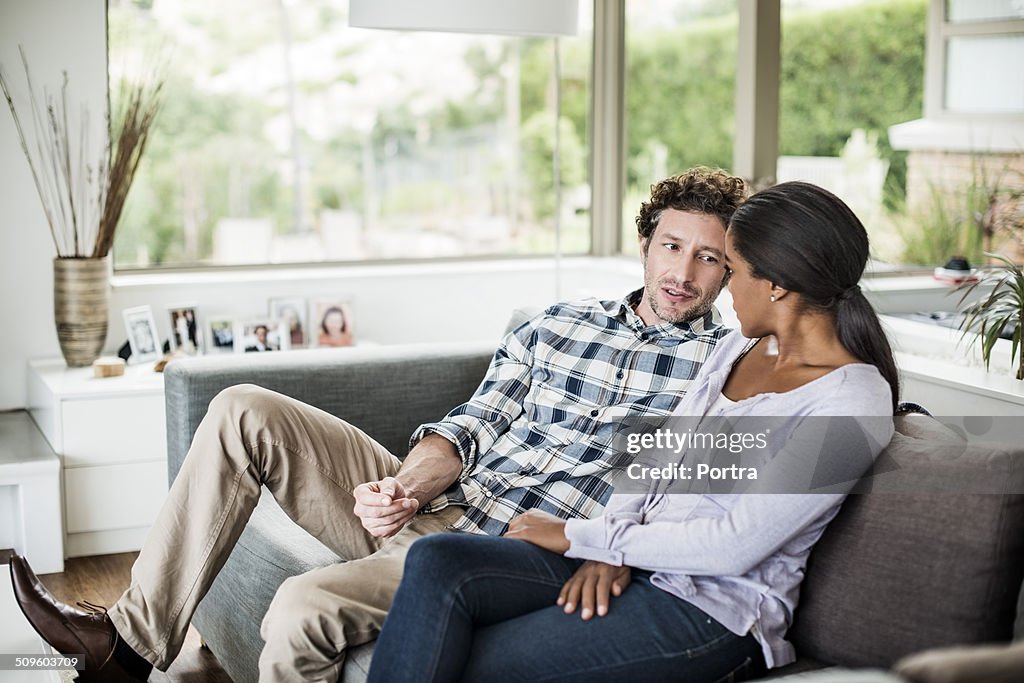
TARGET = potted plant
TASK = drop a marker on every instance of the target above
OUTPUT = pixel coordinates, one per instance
(82, 197)
(1000, 311)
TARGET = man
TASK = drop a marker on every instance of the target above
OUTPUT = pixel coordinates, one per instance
(261, 340)
(536, 435)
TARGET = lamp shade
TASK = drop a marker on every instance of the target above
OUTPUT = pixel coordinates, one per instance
(505, 17)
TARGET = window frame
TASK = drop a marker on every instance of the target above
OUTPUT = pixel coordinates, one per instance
(938, 34)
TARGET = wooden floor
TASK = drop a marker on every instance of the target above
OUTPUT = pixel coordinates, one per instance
(101, 580)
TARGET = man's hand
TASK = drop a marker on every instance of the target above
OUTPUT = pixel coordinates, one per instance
(540, 528)
(591, 586)
(384, 506)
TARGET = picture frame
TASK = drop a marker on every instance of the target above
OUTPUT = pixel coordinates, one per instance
(143, 338)
(332, 323)
(250, 339)
(220, 332)
(292, 312)
(185, 335)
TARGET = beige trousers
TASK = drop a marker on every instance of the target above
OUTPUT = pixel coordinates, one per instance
(310, 461)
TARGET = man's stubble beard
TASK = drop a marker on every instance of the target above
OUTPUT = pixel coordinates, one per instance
(698, 309)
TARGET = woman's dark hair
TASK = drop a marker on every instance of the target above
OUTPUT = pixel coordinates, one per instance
(805, 239)
(333, 309)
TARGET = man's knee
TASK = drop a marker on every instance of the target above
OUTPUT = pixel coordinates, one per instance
(232, 401)
(298, 615)
(303, 637)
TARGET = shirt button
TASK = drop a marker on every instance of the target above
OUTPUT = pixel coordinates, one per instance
(620, 374)
(593, 413)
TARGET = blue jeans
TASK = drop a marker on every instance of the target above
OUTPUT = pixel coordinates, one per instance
(480, 608)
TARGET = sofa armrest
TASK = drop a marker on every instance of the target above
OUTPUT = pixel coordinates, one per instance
(387, 391)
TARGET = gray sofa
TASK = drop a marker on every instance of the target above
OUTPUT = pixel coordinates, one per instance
(894, 573)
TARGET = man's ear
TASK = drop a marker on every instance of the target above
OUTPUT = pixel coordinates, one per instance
(645, 243)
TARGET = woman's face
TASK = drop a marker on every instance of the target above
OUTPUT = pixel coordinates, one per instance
(750, 294)
(291, 318)
(334, 322)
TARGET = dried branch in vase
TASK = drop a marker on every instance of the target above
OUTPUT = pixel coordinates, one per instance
(141, 104)
(83, 200)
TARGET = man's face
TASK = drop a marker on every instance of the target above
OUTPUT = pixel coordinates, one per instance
(684, 267)
(261, 335)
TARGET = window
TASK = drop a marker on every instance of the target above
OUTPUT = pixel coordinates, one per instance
(975, 52)
(288, 137)
(849, 69)
(680, 66)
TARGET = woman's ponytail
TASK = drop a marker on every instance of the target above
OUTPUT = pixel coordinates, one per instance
(860, 332)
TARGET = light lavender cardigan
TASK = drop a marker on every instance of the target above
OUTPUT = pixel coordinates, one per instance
(738, 557)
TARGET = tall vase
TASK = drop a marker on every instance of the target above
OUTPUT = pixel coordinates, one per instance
(80, 307)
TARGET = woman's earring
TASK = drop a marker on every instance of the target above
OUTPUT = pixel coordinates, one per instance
(772, 298)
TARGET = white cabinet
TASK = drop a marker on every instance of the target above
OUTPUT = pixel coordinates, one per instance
(110, 435)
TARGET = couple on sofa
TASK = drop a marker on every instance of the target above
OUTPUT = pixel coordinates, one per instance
(557, 578)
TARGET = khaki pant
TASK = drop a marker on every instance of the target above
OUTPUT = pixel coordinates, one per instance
(310, 461)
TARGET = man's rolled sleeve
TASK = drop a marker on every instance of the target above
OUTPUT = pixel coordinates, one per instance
(463, 441)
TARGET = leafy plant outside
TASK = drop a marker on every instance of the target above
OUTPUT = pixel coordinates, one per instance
(1000, 311)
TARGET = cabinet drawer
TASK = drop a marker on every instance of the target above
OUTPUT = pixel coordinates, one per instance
(113, 496)
(113, 430)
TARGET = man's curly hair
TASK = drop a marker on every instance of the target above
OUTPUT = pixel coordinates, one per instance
(704, 190)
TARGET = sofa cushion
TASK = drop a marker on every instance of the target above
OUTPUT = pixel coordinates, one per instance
(520, 316)
(900, 570)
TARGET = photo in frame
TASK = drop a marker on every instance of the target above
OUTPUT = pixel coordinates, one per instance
(291, 310)
(185, 335)
(259, 335)
(220, 334)
(143, 339)
(332, 324)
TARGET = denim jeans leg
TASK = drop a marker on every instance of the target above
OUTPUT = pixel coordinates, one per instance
(453, 584)
(647, 635)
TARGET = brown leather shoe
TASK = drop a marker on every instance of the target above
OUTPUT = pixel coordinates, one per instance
(68, 630)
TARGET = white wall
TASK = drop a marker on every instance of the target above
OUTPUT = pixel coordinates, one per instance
(58, 35)
(459, 301)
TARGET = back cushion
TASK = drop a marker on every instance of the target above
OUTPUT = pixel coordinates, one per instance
(520, 316)
(899, 571)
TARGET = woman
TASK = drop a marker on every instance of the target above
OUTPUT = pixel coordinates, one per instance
(334, 329)
(693, 587)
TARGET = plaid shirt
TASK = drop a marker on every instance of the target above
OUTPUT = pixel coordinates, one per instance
(538, 432)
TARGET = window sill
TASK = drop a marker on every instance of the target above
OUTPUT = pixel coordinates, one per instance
(966, 135)
(947, 376)
(342, 272)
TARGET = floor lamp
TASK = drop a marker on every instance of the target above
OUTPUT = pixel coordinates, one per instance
(552, 18)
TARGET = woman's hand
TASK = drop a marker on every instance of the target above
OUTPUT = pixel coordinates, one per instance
(540, 528)
(591, 586)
